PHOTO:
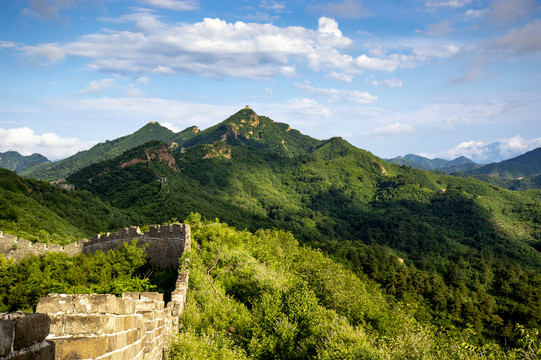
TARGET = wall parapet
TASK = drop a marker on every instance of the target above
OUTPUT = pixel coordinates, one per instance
(166, 243)
(14, 247)
(99, 326)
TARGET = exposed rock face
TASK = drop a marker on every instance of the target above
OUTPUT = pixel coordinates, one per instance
(162, 154)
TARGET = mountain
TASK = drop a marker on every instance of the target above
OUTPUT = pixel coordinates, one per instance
(249, 129)
(38, 211)
(482, 153)
(420, 162)
(454, 253)
(528, 164)
(108, 150)
(14, 161)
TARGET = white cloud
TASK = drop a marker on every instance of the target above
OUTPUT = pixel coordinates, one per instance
(143, 79)
(271, 5)
(339, 76)
(216, 48)
(390, 130)
(135, 92)
(354, 96)
(7, 44)
(51, 145)
(393, 83)
(97, 86)
(439, 29)
(179, 5)
(483, 152)
(524, 40)
(44, 54)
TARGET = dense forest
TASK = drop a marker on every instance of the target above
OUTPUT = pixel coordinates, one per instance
(388, 261)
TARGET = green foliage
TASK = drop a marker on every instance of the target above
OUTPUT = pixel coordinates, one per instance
(14, 161)
(99, 152)
(263, 296)
(22, 283)
(37, 211)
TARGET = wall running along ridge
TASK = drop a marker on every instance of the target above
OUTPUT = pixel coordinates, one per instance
(166, 243)
(99, 326)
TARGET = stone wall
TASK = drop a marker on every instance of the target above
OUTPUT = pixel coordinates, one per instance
(16, 248)
(166, 243)
(99, 326)
(94, 326)
(22, 337)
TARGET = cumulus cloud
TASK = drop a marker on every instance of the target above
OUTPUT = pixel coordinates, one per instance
(48, 10)
(390, 130)
(393, 83)
(524, 40)
(51, 145)
(7, 44)
(482, 152)
(179, 5)
(97, 86)
(507, 12)
(216, 48)
(355, 96)
(43, 54)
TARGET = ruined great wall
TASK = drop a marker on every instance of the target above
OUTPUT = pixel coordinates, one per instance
(99, 326)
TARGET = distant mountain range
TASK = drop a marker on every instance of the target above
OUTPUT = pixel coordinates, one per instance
(108, 150)
(519, 173)
(420, 162)
(14, 161)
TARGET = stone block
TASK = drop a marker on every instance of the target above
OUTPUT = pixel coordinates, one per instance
(22, 330)
(100, 304)
(55, 303)
(57, 325)
(88, 324)
(81, 348)
(112, 343)
(122, 339)
(144, 306)
(7, 335)
(148, 315)
(42, 351)
(132, 336)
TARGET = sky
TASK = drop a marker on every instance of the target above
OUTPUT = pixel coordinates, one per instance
(439, 78)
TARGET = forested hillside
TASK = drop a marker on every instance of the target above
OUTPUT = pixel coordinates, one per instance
(14, 161)
(470, 249)
(38, 211)
(263, 296)
(107, 150)
(463, 254)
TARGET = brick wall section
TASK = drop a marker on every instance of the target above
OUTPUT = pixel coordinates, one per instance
(166, 243)
(99, 326)
(22, 337)
(16, 248)
(104, 327)
(94, 326)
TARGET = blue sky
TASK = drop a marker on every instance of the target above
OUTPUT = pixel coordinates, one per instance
(432, 77)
